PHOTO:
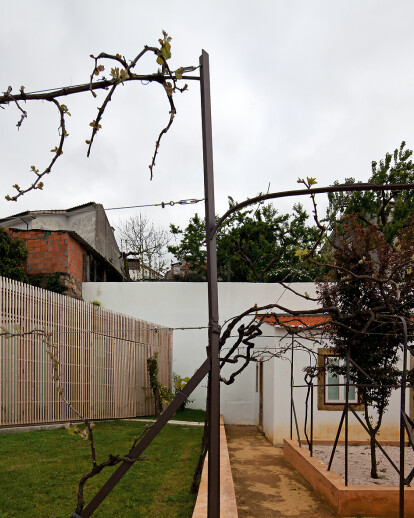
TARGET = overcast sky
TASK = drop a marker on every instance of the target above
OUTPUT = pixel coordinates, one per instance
(299, 88)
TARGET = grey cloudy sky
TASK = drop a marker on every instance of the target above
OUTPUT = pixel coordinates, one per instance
(299, 88)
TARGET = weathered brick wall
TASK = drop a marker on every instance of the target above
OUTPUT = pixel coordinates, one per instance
(75, 258)
(51, 252)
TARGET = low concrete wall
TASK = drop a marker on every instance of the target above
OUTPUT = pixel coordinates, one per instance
(347, 500)
(228, 506)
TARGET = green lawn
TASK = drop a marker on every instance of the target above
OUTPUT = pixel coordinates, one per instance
(187, 414)
(190, 414)
(39, 472)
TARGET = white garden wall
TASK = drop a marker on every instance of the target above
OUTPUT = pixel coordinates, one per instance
(177, 305)
(181, 304)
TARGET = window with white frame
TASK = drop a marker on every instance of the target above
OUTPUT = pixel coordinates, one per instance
(335, 390)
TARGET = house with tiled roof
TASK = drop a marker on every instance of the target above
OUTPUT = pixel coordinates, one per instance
(78, 244)
(294, 376)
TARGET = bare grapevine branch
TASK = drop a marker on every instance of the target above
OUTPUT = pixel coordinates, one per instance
(120, 75)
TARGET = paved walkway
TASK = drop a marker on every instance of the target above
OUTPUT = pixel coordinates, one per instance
(265, 483)
(171, 421)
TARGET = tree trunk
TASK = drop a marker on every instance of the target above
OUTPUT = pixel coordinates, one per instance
(124, 257)
(373, 430)
(228, 270)
(152, 368)
(157, 401)
(374, 473)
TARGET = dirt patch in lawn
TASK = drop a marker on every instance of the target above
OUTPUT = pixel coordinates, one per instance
(359, 463)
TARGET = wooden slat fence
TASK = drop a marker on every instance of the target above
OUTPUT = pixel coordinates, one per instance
(102, 354)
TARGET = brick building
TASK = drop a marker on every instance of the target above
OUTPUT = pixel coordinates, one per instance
(77, 243)
(66, 253)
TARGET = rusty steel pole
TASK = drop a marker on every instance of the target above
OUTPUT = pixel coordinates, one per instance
(402, 420)
(214, 329)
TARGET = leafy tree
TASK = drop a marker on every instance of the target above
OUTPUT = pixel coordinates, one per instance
(13, 256)
(388, 210)
(192, 248)
(254, 245)
(371, 284)
(260, 245)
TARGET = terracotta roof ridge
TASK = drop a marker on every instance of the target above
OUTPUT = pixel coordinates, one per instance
(304, 320)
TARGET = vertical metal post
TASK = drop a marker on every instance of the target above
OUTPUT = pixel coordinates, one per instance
(214, 330)
(346, 413)
(291, 392)
(402, 424)
(311, 422)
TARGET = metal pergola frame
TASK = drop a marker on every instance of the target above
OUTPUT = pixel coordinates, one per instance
(406, 424)
(210, 365)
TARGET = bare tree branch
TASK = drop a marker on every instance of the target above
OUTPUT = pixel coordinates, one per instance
(58, 151)
(120, 75)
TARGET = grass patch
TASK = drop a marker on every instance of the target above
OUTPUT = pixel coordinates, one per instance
(187, 414)
(190, 414)
(39, 472)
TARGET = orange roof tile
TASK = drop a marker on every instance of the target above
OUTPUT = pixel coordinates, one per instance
(295, 321)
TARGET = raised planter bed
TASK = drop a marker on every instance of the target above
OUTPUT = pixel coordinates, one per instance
(228, 506)
(378, 501)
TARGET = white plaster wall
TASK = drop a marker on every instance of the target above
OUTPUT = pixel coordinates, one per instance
(40, 222)
(84, 224)
(50, 222)
(269, 398)
(282, 398)
(326, 422)
(184, 304)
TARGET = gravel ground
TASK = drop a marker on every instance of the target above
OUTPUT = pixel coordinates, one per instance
(359, 463)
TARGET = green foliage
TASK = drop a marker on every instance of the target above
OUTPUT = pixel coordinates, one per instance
(254, 245)
(371, 284)
(165, 49)
(75, 431)
(162, 395)
(388, 210)
(166, 395)
(118, 76)
(48, 281)
(179, 383)
(309, 182)
(13, 256)
(191, 249)
(54, 283)
(96, 303)
(191, 414)
(152, 367)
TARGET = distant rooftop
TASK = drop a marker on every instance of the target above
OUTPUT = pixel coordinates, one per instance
(50, 211)
(295, 321)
